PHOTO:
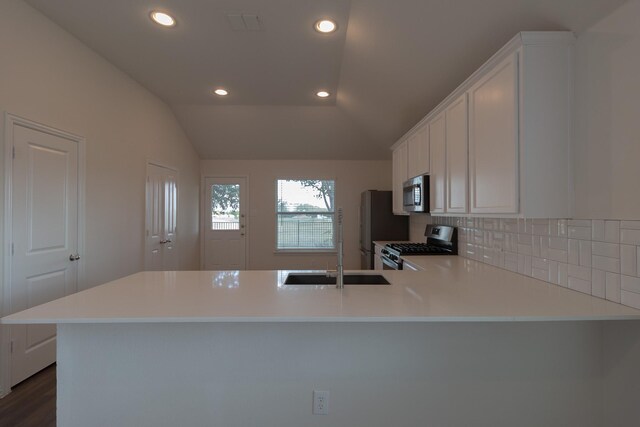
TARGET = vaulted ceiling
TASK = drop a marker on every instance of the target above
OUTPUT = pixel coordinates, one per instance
(387, 65)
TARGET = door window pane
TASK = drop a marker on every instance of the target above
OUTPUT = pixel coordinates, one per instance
(225, 207)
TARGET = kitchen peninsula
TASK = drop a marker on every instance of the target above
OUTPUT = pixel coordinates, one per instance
(460, 343)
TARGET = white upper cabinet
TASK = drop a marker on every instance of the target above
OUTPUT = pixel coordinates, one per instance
(437, 178)
(418, 152)
(456, 136)
(399, 176)
(499, 143)
(493, 140)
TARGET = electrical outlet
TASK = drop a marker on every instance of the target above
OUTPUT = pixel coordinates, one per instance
(320, 402)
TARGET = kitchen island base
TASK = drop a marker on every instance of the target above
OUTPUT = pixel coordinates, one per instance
(377, 373)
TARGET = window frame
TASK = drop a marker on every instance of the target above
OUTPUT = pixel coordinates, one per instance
(333, 214)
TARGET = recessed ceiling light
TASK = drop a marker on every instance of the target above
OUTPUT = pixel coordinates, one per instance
(221, 92)
(325, 26)
(323, 94)
(163, 19)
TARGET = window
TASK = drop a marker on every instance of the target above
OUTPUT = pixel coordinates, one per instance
(305, 214)
(225, 207)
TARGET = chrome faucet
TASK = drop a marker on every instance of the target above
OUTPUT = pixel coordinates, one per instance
(339, 267)
(338, 273)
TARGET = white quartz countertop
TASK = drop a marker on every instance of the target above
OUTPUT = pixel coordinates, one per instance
(450, 289)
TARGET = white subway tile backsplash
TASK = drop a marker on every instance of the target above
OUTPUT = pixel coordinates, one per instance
(630, 298)
(524, 264)
(540, 263)
(524, 226)
(631, 225)
(563, 228)
(509, 225)
(631, 284)
(536, 248)
(612, 231)
(525, 244)
(491, 224)
(598, 283)
(511, 261)
(563, 274)
(553, 272)
(560, 243)
(574, 252)
(612, 291)
(580, 222)
(585, 255)
(554, 248)
(579, 232)
(579, 252)
(540, 227)
(630, 236)
(597, 230)
(605, 263)
(605, 231)
(578, 272)
(611, 250)
(580, 285)
(511, 242)
(469, 250)
(628, 260)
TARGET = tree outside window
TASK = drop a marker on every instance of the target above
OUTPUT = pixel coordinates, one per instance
(305, 214)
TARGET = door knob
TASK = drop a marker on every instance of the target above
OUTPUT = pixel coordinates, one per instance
(73, 257)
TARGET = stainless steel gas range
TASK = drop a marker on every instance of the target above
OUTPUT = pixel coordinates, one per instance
(441, 240)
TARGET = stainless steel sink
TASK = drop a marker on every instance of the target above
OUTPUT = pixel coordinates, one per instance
(323, 279)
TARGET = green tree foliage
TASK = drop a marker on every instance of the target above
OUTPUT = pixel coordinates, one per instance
(324, 190)
(225, 199)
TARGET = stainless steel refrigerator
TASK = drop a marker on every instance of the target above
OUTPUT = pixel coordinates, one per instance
(377, 222)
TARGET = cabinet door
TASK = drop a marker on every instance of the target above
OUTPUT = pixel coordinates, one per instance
(418, 152)
(437, 178)
(399, 176)
(456, 155)
(493, 140)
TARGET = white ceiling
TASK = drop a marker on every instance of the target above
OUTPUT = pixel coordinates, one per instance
(389, 63)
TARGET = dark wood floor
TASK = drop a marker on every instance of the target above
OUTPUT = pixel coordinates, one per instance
(32, 403)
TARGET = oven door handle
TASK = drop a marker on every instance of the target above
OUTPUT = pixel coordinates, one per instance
(392, 264)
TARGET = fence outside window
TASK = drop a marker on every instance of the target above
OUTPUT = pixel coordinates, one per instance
(296, 231)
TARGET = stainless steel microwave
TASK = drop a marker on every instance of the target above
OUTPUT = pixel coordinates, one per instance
(415, 194)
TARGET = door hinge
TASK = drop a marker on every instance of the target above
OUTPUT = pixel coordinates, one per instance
(13, 247)
(13, 152)
(11, 347)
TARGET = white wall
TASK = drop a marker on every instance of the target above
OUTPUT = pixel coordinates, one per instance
(48, 76)
(606, 148)
(352, 178)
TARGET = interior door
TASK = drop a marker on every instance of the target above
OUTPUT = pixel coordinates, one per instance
(161, 233)
(225, 231)
(44, 264)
